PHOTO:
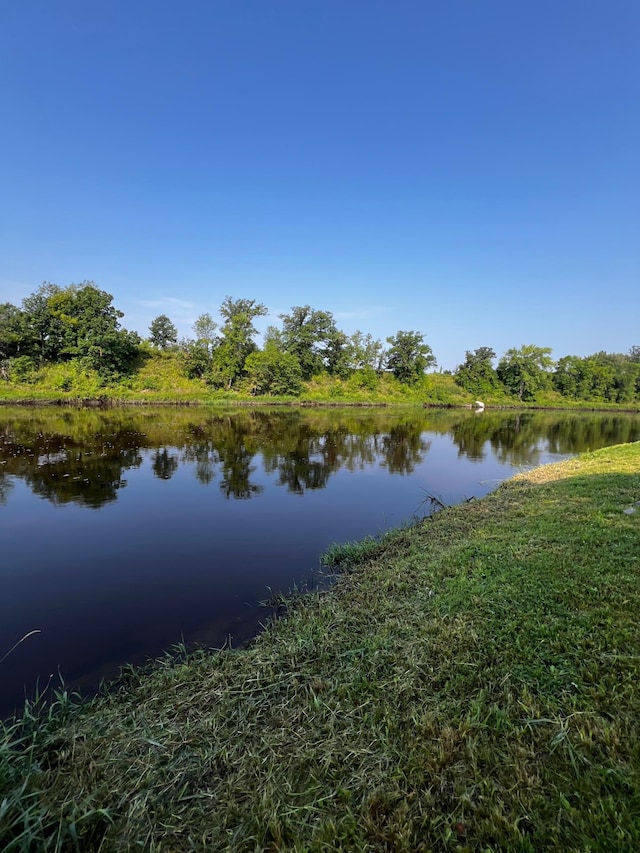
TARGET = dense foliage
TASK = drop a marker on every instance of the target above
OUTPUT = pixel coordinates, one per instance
(78, 326)
(59, 324)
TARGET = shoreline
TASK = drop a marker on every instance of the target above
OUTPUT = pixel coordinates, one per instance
(106, 402)
(470, 681)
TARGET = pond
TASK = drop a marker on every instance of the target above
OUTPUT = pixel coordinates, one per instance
(126, 531)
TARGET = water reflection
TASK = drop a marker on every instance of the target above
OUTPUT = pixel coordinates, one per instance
(5, 487)
(523, 438)
(73, 457)
(81, 456)
(164, 464)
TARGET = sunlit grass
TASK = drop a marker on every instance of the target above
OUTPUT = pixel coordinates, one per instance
(159, 377)
(471, 684)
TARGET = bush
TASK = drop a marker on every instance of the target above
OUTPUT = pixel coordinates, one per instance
(272, 371)
(22, 367)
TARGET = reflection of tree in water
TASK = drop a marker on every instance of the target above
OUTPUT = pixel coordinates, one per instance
(235, 446)
(311, 456)
(304, 448)
(163, 464)
(204, 457)
(580, 433)
(403, 448)
(471, 434)
(520, 438)
(63, 470)
(516, 438)
(80, 455)
(87, 449)
(5, 487)
(307, 464)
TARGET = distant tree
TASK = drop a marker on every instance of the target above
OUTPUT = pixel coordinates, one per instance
(525, 371)
(237, 338)
(477, 375)
(365, 352)
(196, 359)
(336, 355)
(42, 330)
(11, 330)
(626, 382)
(273, 371)
(570, 377)
(634, 354)
(617, 375)
(205, 330)
(273, 335)
(314, 339)
(162, 332)
(601, 376)
(357, 354)
(89, 329)
(78, 321)
(408, 356)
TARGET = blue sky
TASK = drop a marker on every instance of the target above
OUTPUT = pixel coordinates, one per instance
(465, 169)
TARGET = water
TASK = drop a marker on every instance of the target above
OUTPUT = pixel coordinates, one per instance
(125, 531)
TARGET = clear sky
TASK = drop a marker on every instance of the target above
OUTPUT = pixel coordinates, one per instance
(469, 169)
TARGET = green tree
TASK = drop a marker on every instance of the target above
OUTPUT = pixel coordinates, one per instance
(11, 331)
(273, 335)
(525, 371)
(601, 376)
(570, 377)
(237, 338)
(162, 332)
(196, 359)
(42, 329)
(477, 375)
(205, 330)
(408, 356)
(273, 371)
(365, 352)
(617, 376)
(89, 329)
(197, 355)
(314, 339)
(362, 356)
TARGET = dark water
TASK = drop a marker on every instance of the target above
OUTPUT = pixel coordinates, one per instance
(124, 531)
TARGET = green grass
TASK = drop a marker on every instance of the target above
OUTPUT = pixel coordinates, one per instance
(158, 377)
(470, 684)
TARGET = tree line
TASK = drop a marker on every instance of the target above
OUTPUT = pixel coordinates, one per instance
(79, 322)
(529, 371)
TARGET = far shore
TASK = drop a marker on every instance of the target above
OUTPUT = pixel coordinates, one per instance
(106, 402)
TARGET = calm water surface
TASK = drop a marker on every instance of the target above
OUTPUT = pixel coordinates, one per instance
(123, 531)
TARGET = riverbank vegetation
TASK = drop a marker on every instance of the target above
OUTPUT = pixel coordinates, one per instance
(67, 343)
(470, 683)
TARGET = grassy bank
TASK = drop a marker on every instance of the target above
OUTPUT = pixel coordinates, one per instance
(470, 684)
(159, 377)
